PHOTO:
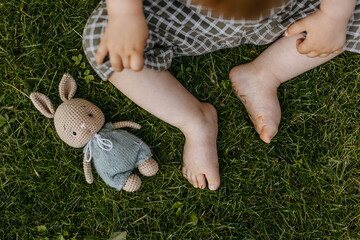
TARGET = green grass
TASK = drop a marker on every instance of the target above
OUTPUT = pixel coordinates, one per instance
(304, 185)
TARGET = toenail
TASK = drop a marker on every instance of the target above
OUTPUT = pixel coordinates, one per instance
(212, 187)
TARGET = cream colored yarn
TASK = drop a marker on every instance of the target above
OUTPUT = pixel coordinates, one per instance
(132, 184)
(77, 121)
(149, 167)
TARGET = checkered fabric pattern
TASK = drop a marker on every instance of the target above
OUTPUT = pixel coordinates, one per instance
(178, 28)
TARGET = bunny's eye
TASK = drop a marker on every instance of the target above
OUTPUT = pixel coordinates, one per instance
(90, 115)
(74, 133)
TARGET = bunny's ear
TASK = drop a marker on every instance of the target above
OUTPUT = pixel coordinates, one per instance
(43, 104)
(67, 87)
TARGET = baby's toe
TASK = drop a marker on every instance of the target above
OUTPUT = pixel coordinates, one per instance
(201, 180)
(187, 175)
(194, 181)
(185, 172)
(268, 132)
(213, 179)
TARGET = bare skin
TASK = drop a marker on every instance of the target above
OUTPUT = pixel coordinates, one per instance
(325, 28)
(256, 83)
(159, 92)
(163, 96)
(125, 35)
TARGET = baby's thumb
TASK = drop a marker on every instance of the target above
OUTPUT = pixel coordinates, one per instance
(295, 29)
(101, 53)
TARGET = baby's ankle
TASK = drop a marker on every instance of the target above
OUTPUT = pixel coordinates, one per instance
(252, 74)
(205, 118)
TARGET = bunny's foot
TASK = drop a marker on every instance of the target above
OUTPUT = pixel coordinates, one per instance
(132, 183)
(148, 168)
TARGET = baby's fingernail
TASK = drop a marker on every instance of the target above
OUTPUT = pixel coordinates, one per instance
(137, 67)
(286, 34)
(212, 187)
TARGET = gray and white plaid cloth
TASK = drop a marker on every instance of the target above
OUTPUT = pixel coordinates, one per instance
(178, 28)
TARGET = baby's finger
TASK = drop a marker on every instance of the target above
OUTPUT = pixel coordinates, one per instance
(116, 62)
(137, 62)
(324, 55)
(101, 52)
(304, 46)
(336, 52)
(295, 29)
(299, 41)
(312, 54)
(301, 46)
(126, 61)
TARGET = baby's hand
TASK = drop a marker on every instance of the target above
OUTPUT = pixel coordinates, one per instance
(325, 34)
(124, 40)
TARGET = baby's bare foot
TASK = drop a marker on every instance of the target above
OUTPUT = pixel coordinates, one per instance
(258, 92)
(200, 151)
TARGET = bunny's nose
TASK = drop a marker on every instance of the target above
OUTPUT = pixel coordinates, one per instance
(83, 126)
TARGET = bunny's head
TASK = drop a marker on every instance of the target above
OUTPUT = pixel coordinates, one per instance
(76, 120)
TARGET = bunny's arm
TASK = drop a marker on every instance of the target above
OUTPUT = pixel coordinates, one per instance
(123, 124)
(87, 170)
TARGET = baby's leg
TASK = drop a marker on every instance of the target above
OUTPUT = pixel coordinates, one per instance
(163, 96)
(256, 83)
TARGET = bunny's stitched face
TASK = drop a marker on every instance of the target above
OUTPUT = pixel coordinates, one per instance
(77, 121)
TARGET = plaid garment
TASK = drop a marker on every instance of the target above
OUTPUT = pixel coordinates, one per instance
(178, 28)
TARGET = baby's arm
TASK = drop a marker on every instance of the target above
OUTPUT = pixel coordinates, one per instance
(125, 35)
(325, 29)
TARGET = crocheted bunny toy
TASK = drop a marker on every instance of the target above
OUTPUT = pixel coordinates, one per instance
(115, 153)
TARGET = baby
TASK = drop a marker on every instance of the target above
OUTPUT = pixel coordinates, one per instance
(131, 43)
